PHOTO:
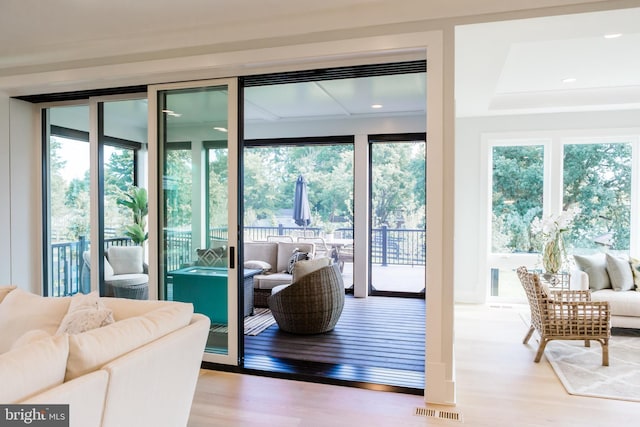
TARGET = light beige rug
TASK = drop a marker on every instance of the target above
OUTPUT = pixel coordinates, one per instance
(581, 372)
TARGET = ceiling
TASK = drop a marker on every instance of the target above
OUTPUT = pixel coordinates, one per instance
(517, 67)
(505, 67)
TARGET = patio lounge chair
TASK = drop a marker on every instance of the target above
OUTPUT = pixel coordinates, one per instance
(310, 305)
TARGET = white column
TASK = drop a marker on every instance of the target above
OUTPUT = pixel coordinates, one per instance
(361, 216)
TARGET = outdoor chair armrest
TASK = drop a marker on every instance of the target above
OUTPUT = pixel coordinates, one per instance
(567, 296)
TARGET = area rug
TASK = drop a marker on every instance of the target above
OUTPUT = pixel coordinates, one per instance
(253, 325)
(581, 372)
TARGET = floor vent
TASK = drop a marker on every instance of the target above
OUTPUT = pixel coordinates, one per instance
(441, 415)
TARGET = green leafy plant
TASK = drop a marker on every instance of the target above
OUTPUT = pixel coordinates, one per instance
(136, 200)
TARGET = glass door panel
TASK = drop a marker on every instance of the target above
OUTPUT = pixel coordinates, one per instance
(197, 253)
(124, 206)
(398, 217)
(67, 199)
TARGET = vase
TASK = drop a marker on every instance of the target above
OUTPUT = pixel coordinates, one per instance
(552, 255)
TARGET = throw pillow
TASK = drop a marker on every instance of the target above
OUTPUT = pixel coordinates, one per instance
(257, 265)
(30, 337)
(126, 259)
(85, 312)
(302, 268)
(22, 311)
(212, 257)
(596, 268)
(295, 257)
(619, 273)
(635, 269)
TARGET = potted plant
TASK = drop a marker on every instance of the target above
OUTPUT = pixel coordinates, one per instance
(136, 200)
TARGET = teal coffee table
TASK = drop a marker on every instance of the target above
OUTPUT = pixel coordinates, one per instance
(206, 289)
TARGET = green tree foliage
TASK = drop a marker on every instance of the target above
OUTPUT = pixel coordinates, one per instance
(597, 177)
(516, 196)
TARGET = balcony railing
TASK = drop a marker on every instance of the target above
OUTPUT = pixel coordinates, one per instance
(389, 246)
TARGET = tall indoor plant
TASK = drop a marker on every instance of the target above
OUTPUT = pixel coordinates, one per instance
(137, 200)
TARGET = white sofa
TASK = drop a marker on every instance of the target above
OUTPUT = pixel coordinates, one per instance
(273, 258)
(610, 279)
(139, 370)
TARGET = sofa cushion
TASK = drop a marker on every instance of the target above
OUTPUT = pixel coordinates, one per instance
(126, 259)
(85, 312)
(124, 308)
(596, 268)
(295, 257)
(93, 349)
(22, 311)
(30, 337)
(257, 265)
(302, 268)
(32, 368)
(269, 281)
(620, 273)
(263, 251)
(4, 291)
(621, 303)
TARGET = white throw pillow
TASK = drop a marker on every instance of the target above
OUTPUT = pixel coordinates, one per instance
(85, 312)
(22, 311)
(257, 265)
(126, 259)
(33, 368)
(620, 273)
(302, 268)
(30, 337)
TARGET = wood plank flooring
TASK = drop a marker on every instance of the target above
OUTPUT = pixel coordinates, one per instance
(378, 340)
(497, 385)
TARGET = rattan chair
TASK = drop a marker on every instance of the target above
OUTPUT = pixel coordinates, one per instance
(310, 305)
(565, 315)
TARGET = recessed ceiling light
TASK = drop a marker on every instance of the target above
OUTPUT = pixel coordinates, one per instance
(376, 106)
(612, 35)
(221, 129)
(569, 80)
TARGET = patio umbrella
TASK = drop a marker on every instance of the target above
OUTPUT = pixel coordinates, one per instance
(301, 211)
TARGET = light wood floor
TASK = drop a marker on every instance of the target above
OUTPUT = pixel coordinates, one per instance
(498, 384)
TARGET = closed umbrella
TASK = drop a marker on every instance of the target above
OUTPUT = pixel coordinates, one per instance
(301, 211)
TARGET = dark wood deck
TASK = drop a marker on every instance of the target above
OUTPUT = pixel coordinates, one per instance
(378, 341)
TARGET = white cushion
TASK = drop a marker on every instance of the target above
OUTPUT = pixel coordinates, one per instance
(33, 368)
(85, 312)
(22, 311)
(621, 303)
(93, 349)
(270, 281)
(278, 289)
(126, 259)
(302, 268)
(620, 273)
(30, 337)
(596, 268)
(257, 265)
(286, 249)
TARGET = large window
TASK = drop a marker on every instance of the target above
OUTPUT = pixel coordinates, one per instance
(535, 179)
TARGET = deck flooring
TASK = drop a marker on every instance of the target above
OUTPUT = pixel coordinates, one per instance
(378, 340)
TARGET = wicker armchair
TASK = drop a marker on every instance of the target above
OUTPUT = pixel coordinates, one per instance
(310, 305)
(565, 315)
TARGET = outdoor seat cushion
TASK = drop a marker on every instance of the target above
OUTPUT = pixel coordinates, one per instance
(270, 281)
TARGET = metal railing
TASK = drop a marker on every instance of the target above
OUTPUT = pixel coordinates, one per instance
(67, 262)
(389, 246)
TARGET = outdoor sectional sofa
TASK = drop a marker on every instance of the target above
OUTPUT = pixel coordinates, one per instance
(115, 362)
(611, 279)
(273, 259)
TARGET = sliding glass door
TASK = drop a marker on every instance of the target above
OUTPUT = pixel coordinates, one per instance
(197, 229)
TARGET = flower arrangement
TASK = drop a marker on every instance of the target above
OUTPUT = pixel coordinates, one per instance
(551, 229)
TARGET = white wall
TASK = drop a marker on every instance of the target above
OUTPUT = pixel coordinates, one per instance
(470, 255)
(5, 191)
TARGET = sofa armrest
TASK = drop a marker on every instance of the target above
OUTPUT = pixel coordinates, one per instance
(85, 396)
(579, 280)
